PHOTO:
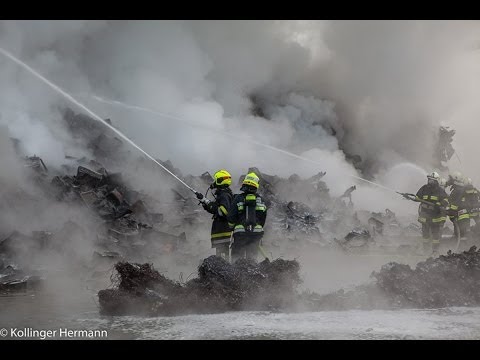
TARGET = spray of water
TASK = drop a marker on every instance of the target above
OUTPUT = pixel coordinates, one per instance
(236, 137)
(88, 111)
(98, 118)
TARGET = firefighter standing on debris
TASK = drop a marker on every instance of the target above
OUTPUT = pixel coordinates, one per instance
(432, 211)
(247, 217)
(221, 233)
(472, 197)
(459, 212)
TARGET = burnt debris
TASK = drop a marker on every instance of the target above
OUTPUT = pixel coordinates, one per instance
(448, 280)
(219, 287)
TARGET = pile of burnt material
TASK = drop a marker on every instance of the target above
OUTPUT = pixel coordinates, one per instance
(101, 192)
(448, 280)
(128, 224)
(219, 287)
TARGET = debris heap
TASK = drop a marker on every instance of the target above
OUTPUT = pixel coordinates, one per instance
(448, 280)
(219, 287)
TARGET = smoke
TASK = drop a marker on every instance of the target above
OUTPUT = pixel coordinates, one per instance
(396, 81)
(325, 90)
(370, 88)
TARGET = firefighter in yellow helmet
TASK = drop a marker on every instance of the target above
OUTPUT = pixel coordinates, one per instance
(246, 218)
(432, 211)
(459, 211)
(221, 233)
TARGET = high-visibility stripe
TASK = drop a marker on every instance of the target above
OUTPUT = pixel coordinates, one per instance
(464, 216)
(258, 228)
(440, 219)
(220, 241)
(239, 228)
(422, 219)
(454, 207)
(218, 235)
(231, 224)
(432, 197)
(221, 209)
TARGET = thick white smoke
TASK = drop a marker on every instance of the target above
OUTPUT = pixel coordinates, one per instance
(373, 88)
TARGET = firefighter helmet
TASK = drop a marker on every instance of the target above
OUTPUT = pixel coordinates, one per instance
(433, 177)
(251, 179)
(222, 178)
(458, 179)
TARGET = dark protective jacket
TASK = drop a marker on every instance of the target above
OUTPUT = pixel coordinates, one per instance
(458, 203)
(436, 212)
(219, 209)
(472, 199)
(247, 214)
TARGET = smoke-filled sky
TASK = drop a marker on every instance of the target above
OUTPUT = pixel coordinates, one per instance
(378, 89)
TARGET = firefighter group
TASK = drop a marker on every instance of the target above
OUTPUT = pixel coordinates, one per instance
(460, 206)
(239, 219)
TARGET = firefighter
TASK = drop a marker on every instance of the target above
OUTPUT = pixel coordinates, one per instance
(459, 213)
(247, 217)
(472, 197)
(432, 211)
(221, 233)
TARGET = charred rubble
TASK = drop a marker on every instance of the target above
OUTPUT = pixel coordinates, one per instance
(219, 287)
(124, 225)
(448, 280)
(123, 222)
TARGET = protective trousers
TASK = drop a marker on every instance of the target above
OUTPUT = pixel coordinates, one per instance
(431, 233)
(245, 245)
(461, 225)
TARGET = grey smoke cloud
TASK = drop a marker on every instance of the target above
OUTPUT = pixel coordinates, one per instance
(374, 88)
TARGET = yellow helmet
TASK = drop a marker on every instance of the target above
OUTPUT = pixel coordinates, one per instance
(222, 178)
(251, 179)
